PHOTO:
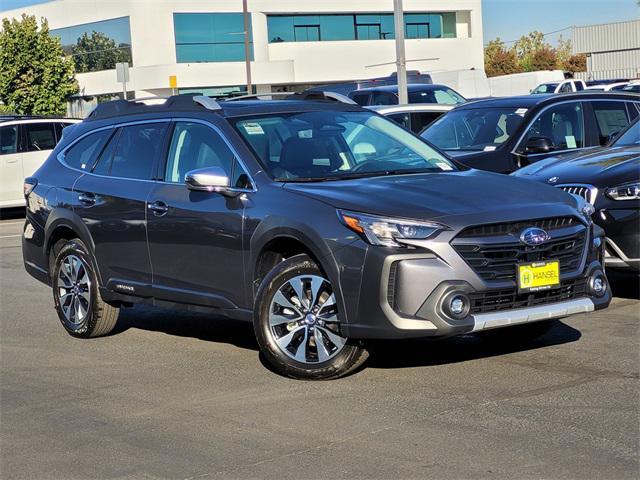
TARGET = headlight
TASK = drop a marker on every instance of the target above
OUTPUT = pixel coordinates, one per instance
(386, 231)
(629, 191)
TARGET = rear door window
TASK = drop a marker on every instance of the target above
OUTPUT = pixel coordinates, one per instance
(8, 139)
(361, 98)
(562, 125)
(611, 118)
(565, 88)
(419, 120)
(401, 119)
(39, 136)
(138, 148)
(83, 154)
(384, 98)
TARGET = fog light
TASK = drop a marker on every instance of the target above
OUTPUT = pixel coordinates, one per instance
(598, 284)
(456, 305)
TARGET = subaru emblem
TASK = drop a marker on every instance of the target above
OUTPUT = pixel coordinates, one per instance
(533, 236)
(553, 179)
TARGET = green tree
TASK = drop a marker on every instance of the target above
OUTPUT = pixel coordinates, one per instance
(543, 59)
(97, 51)
(526, 47)
(567, 60)
(498, 60)
(35, 76)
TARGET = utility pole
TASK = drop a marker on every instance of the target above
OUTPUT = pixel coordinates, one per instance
(247, 46)
(401, 61)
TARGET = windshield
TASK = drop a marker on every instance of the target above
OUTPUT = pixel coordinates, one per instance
(545, 88)
(474, 129)
(630, 138)
(334, 145)
(441, 95)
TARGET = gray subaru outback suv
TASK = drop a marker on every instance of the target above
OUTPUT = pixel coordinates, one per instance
(322, 223)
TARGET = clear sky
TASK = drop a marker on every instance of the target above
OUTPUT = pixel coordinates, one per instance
(510, 19)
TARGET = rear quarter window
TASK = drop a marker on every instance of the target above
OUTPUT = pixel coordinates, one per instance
(84, 153)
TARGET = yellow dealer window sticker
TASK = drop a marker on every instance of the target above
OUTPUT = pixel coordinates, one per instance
(533, 277)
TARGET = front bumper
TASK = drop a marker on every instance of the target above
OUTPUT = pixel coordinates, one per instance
(401, 294)
(622, 245)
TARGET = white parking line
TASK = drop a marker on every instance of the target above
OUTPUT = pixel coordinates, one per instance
(11, 223)
(11, 236)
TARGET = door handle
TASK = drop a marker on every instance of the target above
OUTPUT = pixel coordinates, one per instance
(87, 199)
(158, 208)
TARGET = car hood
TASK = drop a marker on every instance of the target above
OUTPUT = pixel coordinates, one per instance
(429, 196)
(602, 167)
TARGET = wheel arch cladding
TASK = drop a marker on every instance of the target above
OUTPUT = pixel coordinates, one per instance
(63, 224)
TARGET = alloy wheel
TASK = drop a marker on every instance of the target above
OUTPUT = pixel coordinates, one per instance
(74, 290)
(303, 320)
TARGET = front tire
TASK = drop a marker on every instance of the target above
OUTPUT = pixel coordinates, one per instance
(80, 308)
(296, 322)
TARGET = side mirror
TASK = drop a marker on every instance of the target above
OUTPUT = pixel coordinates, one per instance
(209, 179)
(538, 145)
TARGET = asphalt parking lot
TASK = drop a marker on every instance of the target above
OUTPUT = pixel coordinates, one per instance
(181, 395)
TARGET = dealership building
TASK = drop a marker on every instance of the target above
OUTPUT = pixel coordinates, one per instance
(293, 43)
(612, 49)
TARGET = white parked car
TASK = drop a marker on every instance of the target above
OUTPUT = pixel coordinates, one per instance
(607, 87)
(414, 116)
(25, 143)
(570, 85)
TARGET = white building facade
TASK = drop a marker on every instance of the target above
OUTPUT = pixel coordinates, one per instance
(294, 43)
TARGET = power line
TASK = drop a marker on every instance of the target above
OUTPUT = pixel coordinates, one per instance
(544, 35)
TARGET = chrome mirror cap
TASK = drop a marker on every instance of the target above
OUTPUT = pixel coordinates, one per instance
(209, 179)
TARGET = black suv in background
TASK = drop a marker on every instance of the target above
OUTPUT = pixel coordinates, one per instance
(417, 93)
(504, 134)
(609, 178)
(323, 223)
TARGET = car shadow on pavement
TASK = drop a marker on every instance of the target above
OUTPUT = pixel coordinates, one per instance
(207, 327)
(432, 352)
(624, 284)
(383, 354)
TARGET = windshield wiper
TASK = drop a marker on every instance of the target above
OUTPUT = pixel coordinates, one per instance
(351, 176)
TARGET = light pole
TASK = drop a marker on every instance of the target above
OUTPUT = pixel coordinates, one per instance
(401, 61)
(247, 47)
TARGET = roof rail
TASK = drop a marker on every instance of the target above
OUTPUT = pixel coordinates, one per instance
(259, 95)
(207, 102)
(190, 101)
(313, 95)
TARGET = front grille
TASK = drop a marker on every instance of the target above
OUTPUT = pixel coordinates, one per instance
(507, 299)
(496, 229)
(585, 191)
(495, 257)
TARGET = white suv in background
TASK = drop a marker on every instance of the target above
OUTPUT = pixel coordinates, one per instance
(25, 143)
(570, 85)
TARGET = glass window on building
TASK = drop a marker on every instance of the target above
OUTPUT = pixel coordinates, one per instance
(98, 45)
(210, 37)
(306, 28)
(374, 27)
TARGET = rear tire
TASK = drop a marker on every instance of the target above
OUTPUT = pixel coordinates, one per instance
(77, 300)
(296, 322)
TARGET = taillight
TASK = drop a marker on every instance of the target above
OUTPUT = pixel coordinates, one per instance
(28, 186)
